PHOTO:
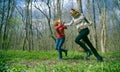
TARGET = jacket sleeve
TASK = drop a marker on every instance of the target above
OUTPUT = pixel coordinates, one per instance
(79, 19)
(70, 23)
(57, 27)
(65, 27)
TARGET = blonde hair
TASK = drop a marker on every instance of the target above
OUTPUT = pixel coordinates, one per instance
(56, 22)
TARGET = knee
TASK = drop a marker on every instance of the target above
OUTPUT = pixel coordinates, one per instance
(57, 48)
(76, 40)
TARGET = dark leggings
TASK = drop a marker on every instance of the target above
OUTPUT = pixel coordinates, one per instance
(83, 36)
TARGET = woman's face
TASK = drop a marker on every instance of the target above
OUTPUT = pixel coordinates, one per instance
(59, 21)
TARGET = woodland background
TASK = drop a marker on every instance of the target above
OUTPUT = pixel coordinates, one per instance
(28, 24)
(27, 36)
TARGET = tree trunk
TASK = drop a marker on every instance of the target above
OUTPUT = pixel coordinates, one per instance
(90, 18)
(79, 3)
(48, 17)
(94, 26)
(103, 31)
(2, 23)
(102, 18)
(6, 29)
(29, 25)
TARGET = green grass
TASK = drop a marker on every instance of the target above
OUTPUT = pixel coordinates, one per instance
(47, 61)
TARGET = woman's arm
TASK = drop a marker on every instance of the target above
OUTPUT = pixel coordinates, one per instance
(57, 27)
(88, 21)
(65, 27)
(70, 23)
(79, 19)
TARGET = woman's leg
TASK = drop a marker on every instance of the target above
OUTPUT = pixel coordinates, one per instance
(61, 41)
(81, 35)
(58, 48)
(57, 43)
(85, 39)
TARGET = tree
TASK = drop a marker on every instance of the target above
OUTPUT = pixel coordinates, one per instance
(79, 3)
(102, 18)
(103, 31)
(28, 26)
(94, 25)
(48, 16)
(2, 22)
(6, 22)
(57, 9)
(27, 21)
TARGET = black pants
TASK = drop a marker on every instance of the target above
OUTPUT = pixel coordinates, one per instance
(83, 35)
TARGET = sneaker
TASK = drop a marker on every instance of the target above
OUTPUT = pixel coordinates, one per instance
(88, 55)
(66, 52)
(60, 59)
(100, 59)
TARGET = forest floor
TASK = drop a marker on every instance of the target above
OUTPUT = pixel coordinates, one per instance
(47, 61)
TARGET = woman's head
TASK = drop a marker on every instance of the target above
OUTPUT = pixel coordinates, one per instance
(74, 12)
(57, 22)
